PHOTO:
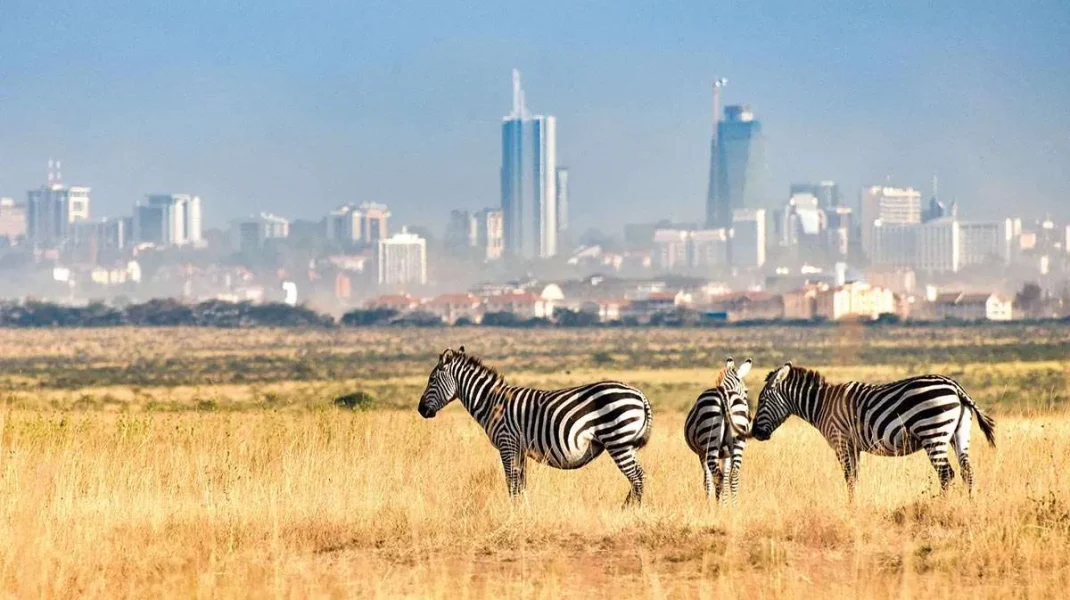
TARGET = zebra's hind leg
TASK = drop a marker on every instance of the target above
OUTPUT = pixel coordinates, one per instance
(707, 476)
(961, 443)
(726, 479)
(624, 457)
(937, 451)
(733, 479)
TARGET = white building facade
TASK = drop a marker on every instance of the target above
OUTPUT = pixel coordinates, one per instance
(403, 259)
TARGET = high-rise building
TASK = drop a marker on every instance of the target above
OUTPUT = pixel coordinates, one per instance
(985, 243)
(840, 228)
(375, 225)
(561, 186)
(12, 219)
(363, 225)
(671, 249)
(461, 232)
(490, 233)
(709, 248)
(51, 209)
(169, 220)
(826, 192)
(747, 248)
(739, 168)
(252, 233)
(804, 227)
(403, 259)
(528, 180)
(890, 206)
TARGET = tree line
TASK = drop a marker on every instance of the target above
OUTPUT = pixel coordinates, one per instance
(218, 313)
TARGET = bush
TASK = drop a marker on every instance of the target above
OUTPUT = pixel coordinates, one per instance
(358, 399)
(369, 317)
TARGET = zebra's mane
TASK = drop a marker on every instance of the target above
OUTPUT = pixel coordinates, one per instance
(472, 361)
(719, 378)
(797, 373)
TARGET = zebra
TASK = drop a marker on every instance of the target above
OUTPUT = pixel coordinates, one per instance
(565, 429)
(718, 441)
(893, 419)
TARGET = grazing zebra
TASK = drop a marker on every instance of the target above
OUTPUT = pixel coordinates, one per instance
(565, 429)
(718, 441)
(893, 419)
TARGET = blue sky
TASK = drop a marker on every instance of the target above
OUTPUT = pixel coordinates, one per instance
(294, 108)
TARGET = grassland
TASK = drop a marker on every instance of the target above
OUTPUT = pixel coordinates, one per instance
(177, 463)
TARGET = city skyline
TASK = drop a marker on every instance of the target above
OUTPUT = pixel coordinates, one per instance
(282, 130)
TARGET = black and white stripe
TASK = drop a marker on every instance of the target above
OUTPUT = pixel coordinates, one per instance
(894, 419)
(565, 429)
(716, 427)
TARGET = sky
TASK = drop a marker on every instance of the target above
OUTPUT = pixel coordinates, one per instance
(295, 108)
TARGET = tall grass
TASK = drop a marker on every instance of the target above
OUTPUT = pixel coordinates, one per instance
(384, 504)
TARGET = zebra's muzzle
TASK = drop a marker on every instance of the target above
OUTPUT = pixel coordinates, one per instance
(426, 412)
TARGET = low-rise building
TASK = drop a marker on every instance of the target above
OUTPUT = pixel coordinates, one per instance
(453, 307)
(972, 307)
(854, 299)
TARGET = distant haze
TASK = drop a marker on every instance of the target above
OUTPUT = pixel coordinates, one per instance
(295, 109)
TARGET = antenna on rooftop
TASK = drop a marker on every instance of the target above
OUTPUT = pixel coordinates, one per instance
(718, 83)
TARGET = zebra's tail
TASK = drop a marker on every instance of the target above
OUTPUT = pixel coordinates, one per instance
(987, 423)
(726, 417)
(644, 437)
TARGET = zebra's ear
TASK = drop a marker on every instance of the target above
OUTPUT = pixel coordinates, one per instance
(782, 373)
(446, 356)
(729, 363)
(743, 369)
(460, 350)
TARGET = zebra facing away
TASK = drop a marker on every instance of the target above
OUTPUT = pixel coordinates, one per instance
(719, 441)
(565, 428)
(893, 419)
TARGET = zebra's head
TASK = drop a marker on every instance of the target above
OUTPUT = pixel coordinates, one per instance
(733, 376)
(441, 384)
(773, 408)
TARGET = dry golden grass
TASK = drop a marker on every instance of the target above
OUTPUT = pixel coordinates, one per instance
(209, 463)
(384, 504)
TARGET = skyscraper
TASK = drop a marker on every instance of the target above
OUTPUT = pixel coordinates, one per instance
(738, 168)
(168, 220)
(528, 180)
(51, 209)
(890, 206)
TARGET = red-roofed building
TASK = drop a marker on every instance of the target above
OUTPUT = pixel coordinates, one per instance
(523, 304)
(451, 307)
(399, 302)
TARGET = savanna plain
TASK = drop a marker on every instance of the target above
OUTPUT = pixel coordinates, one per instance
(216, 463)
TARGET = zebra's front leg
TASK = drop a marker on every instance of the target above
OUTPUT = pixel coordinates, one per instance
(513, 469)
(848, 457)
(624, 456)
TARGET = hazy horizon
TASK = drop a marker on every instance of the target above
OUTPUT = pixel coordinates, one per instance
(296, 109)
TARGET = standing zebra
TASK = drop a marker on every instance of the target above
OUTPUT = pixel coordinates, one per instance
(719, 441)
(565, 429)
(893, 419)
